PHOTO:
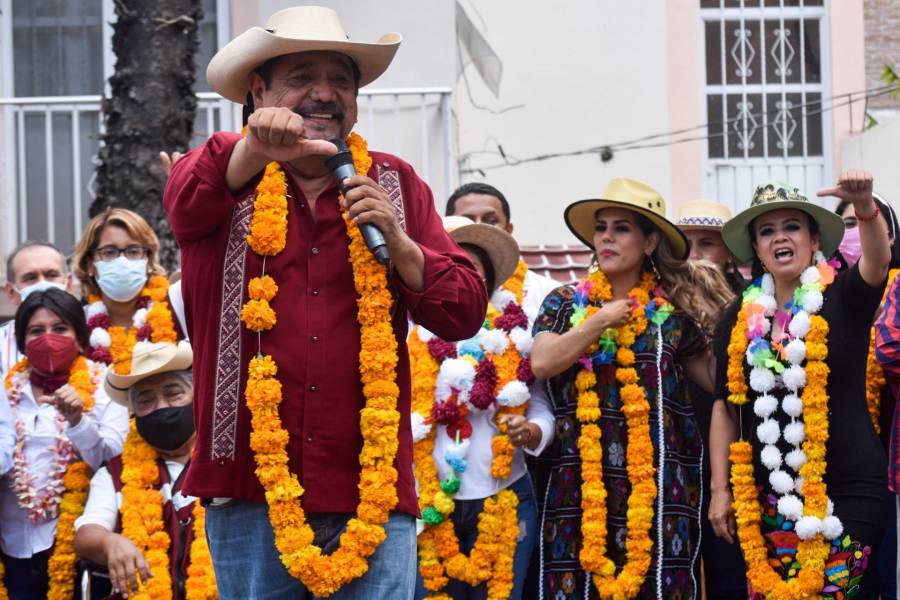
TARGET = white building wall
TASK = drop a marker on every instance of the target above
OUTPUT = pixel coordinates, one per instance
(586, 72)
(876, 150)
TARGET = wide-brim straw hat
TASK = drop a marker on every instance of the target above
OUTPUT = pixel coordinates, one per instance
(292, 30)
(705, 215)
(148, 359)
(776, 195)
(632, 195)
(500, 247)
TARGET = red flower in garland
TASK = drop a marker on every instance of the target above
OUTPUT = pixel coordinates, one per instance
(441, 350)
(513, 316)
(101, 355)
(99, 320)
(524, 372)
(143, 334)
(445, 413)
(482, 395)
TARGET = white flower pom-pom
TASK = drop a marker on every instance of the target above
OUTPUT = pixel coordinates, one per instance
(515, 393)
(494, 341)
(829, 510)
(459, 450)
(501, 298)
(795, 433)
(768, 303)
(795, 351)
(808, 527)
(832, 527)
(792, 405)
(795, 459)
(812, 301)
(522, 340)
(794, 378)
(765, 405)
(768, 431)
(100, 338)
(767, 283)
(799, 325)
(424, 335)
(761, 380)
(771, 457)
(419, 427)
(791, 507)
(798, 485)
(781, 482)
(139, 318)
(455, 373)
(810, 275)
(95, 308)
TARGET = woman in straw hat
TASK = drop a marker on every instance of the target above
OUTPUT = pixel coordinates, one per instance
(476, 408)
(622, 507)
(701, 221)
(793, 368)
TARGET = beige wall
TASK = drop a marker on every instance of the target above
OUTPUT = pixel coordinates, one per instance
(877, 150)
(882, 26)
(587, 72)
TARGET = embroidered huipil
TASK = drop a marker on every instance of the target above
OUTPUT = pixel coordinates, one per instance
(97, 437)
(316, 341)
(887, 350)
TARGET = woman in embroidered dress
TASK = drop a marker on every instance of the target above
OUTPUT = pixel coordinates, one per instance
(129, 300)
(808, 475)
(60, 414)
(470, 424)
(616, 352)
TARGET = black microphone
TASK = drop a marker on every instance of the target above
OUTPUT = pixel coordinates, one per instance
(341, 165)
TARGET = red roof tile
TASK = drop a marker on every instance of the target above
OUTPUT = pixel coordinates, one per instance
(562, 262)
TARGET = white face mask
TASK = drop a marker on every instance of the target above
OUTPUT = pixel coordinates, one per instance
(41, 286)
(121, 279)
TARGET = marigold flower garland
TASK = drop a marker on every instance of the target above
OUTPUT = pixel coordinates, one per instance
(379, 419)
(152, 321)
(505, 361)
(815, 524)
(874, 373)
(66, 492)
(615, 344)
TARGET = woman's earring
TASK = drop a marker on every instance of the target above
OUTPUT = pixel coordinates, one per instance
(653, 265)
(594, 266)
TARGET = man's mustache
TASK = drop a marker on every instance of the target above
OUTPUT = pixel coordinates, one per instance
(320, 108)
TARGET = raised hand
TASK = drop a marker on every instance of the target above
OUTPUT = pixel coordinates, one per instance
(279, 134)
(854, 186)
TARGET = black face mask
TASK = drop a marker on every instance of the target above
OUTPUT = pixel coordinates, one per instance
(167, 428)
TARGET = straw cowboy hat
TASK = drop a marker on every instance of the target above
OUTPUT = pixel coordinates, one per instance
(148, 359)
(292, 30)
(775, 195)
(706, 215)
(630, 194)
(501, 248)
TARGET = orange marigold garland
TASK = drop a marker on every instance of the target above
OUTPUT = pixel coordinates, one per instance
(201, 580)
(379, 419)
(616, 343)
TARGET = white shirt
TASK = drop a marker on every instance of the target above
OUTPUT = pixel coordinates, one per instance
(176, 303)
(9, 353)
(97, 437)
(103, 503)
(7, 437)
(476, 481)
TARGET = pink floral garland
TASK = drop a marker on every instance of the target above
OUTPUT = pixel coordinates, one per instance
(43, 504)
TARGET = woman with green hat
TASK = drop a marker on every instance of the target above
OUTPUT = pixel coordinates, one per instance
(622, 506)
(807, 469)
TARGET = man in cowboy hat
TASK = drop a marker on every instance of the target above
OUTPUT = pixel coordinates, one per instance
(301, 74)
(159, 393)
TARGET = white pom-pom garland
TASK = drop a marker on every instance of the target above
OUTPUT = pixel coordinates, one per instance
(810, 275)
(501, 298)
(493, 341)
(515, 393)
(790, 506)
(792, 405)
(795, 433)
(781, 482)
(771, 457)
(795, 459)
(419, 427)
(808, 527)
(459, 450)
(765, 405)
(794, 378)
(799, 325)
(100, 338)
(768, 431)
(761, 379)
(95, 308)
(424, 335)
(795, 351)
(812, 301)
(522, 340)
(139, 318)
(768, 284)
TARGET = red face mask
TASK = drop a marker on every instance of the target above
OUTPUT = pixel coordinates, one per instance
(51, 353)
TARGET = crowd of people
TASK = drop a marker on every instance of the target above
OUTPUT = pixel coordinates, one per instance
(709, 411)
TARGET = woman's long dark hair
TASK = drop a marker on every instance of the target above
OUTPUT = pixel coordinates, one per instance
(62, 304)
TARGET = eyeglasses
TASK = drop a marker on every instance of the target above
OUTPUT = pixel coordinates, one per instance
(110, 253)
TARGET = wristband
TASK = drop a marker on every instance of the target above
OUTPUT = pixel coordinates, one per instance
(871, 218)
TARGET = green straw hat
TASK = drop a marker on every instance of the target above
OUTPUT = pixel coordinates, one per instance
(776, 195)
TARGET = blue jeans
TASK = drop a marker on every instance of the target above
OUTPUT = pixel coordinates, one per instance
(465, 523)
(248, 567)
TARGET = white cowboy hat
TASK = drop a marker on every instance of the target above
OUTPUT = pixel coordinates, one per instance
(632, 195)
(292, 30)
(148, 359)
(500, 247)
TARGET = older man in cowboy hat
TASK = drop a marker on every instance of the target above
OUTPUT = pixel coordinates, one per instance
(301, 75)
(158, 391)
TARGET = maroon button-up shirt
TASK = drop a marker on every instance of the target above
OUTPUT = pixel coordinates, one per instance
(316, 340)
